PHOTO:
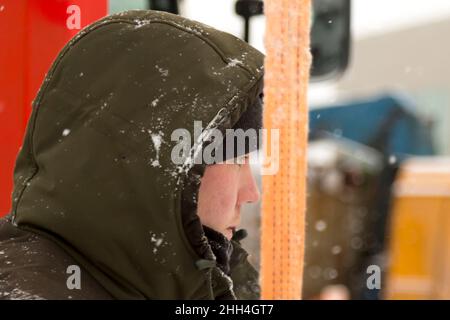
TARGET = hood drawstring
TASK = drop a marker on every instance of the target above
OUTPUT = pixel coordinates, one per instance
(239, 235)
(205, 264)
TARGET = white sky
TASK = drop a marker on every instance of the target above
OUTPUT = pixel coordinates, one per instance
(380, 16)
(368, 16)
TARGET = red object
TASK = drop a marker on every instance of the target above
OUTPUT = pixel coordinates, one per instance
(32, 32)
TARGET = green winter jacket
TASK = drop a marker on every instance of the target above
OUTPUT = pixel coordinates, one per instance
(94, 184)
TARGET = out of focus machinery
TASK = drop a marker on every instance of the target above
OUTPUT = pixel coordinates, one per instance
(355, 151)
(342, 180)
(419, 250)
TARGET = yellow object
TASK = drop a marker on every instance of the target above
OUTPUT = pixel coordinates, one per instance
(287, 67)
(419, 264)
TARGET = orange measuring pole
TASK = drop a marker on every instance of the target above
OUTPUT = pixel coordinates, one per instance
(287, 66)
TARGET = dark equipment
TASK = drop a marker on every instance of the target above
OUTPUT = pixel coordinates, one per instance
(330, 38)
(164, 5)
(248, 9)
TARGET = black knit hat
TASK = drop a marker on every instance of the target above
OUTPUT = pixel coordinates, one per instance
(252, 118)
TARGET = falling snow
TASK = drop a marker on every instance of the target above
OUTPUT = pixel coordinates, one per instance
(157, 141)
(392, 159)
(141, 23)
(234, 63)
(162, 71)
(157, 241)
(336, 250)
(321, 225)
(18, 294)
(155, 102)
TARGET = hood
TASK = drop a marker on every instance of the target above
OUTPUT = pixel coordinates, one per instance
(95, 174)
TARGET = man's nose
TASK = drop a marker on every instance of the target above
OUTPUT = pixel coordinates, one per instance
(255, 194)
(250, 191)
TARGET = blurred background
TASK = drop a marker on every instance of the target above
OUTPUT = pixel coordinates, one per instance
(378, 220)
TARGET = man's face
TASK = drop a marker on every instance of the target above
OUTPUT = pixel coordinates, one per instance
(224, 188)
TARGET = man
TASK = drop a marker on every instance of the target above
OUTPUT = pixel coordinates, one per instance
(100, 209)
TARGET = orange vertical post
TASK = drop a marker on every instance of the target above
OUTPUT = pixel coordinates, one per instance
(288, 61)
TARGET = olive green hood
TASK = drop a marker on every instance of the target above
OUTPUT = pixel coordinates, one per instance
(95, 174)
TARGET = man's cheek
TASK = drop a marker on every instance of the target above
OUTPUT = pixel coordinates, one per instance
(227, 204)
